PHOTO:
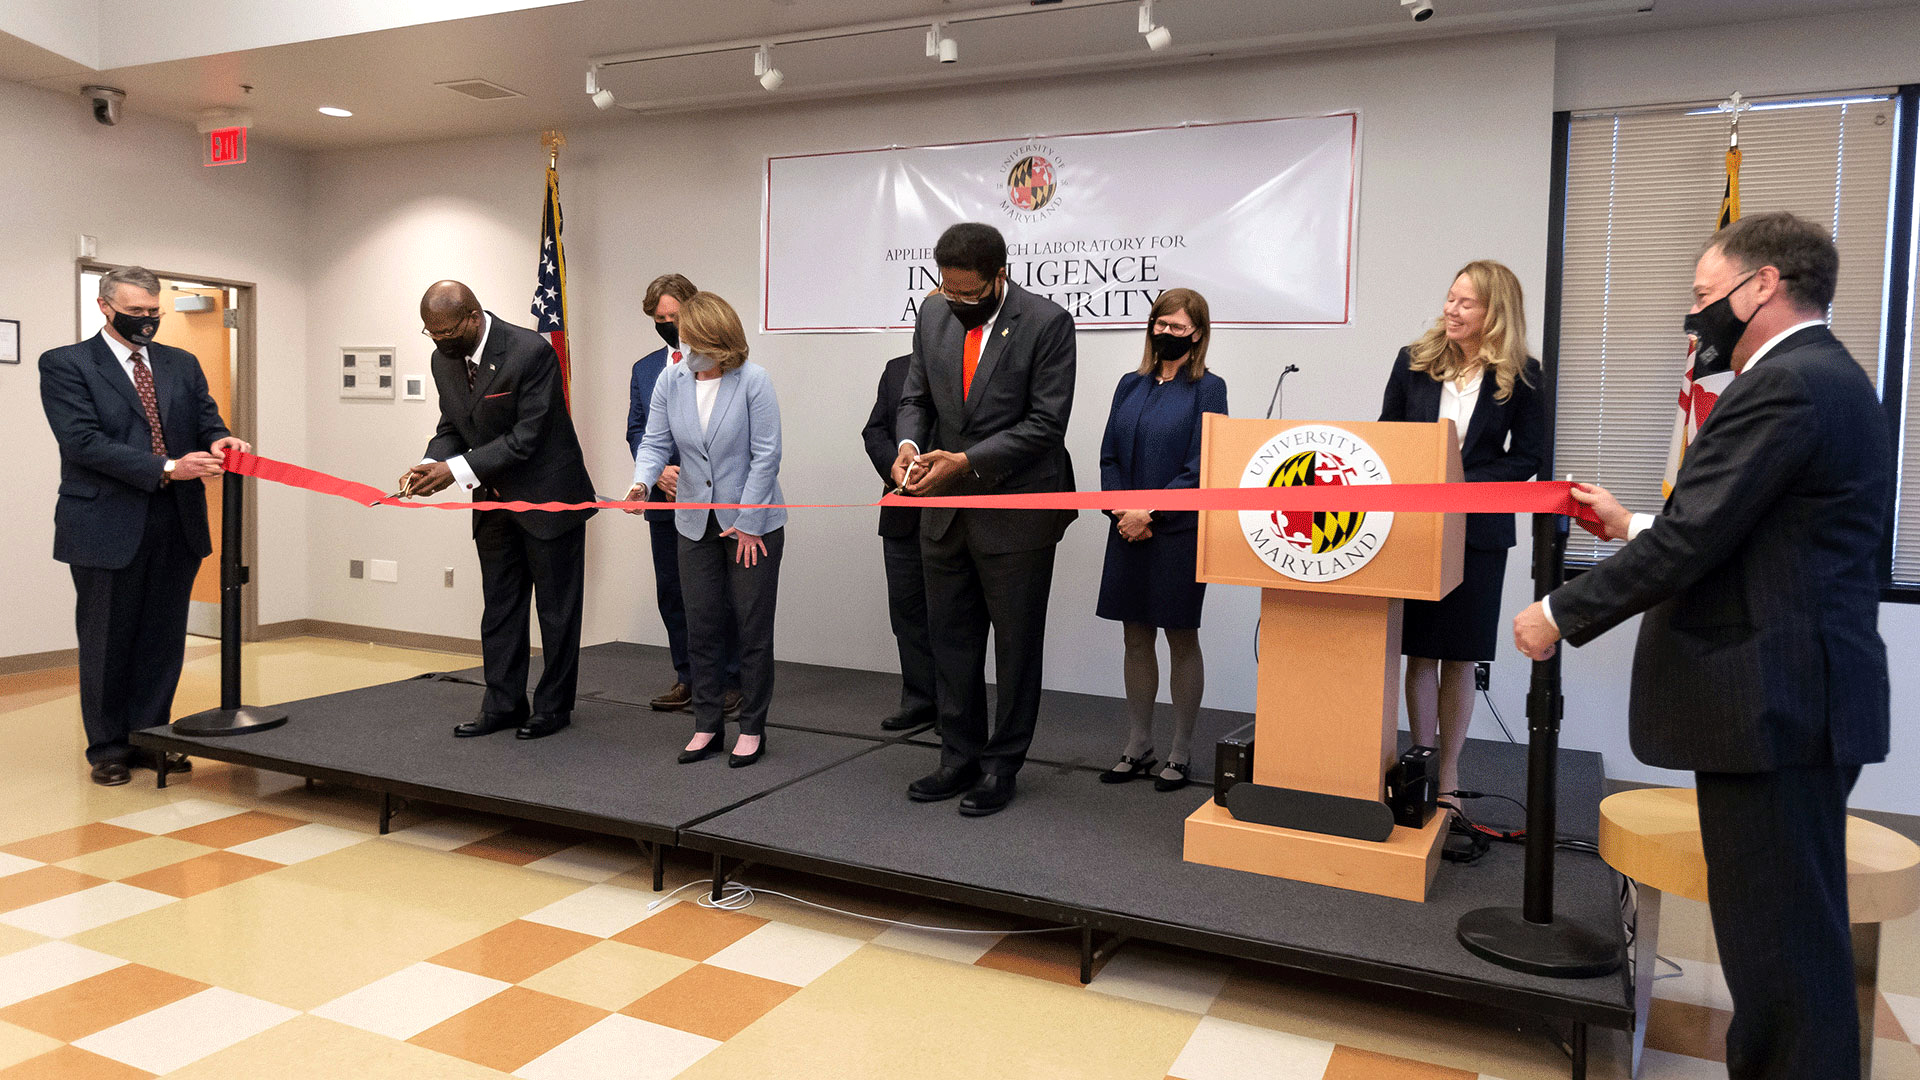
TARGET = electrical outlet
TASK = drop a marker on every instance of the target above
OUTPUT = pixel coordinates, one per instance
(356, 568)
(383, 570)
(447, 572)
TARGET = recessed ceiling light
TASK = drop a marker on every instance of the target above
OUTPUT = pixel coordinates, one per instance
(331, 111)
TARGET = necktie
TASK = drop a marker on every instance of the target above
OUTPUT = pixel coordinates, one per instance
(143, 382)
(473, 373)
(970, 359)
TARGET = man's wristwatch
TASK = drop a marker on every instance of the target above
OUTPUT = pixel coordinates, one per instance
(166, 472)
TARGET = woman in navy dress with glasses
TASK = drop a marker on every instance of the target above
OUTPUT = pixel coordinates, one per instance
(1153, 441)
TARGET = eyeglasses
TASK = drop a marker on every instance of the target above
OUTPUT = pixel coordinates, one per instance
(973, 298)
(450, 332)
(1162, 326)
(138, 313)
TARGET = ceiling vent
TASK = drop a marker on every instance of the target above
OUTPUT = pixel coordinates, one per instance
(480, 89)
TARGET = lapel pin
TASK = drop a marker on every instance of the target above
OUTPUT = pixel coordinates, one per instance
(493, 367)
(1005, 330)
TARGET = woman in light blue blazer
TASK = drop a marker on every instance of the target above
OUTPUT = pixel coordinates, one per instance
(719, 412)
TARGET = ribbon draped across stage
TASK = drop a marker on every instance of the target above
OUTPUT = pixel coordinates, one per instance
(1536, 497)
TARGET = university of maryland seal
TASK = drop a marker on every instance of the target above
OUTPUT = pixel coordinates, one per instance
(1031, 183)
(1315, 545)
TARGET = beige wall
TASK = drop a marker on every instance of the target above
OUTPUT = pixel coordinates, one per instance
(139, 188)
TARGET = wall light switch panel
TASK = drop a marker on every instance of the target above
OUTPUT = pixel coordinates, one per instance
(383, 570)
(356, 568)
(416, 388)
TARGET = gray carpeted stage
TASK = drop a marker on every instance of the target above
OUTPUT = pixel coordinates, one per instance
(829, 798)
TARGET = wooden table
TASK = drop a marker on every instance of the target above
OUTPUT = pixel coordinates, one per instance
(1652, 835)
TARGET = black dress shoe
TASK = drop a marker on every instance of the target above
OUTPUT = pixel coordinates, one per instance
(688, 757)
(1130, 768)
(990, 796)
(903, 720)
(542, 726)
(176, 763)
(111, 774)
(943, 783)
(1180, 779)
(486, 724)
(741, 761)
(677, 697)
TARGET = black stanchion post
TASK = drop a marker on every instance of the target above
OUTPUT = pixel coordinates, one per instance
(1528, 938)
(231, 718)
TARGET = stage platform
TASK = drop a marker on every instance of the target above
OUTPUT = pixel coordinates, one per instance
(829, 799)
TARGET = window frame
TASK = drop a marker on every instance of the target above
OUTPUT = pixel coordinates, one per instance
(1898, 353)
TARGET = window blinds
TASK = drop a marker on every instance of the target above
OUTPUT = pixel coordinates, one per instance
(1643, 192)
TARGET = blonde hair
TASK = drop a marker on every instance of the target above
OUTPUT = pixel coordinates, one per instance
(1195, 306)
(1503, 337)
(710, 326)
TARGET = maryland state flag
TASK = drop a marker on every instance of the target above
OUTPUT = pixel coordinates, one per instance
(1315, 532)
(1700, 388)
(550, 293)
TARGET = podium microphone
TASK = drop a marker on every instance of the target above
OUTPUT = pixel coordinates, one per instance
(1278, 383)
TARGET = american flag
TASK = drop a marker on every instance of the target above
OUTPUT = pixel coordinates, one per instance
(550, 294)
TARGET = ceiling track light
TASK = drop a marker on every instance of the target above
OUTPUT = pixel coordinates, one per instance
(763, 69)
(1158, 37)
(602, 98)
(941, 46)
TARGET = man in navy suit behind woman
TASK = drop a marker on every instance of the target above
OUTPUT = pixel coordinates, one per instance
(138, 432)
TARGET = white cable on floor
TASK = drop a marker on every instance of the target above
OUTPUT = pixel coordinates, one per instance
(736, 897)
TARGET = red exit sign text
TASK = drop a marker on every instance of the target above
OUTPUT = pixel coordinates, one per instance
(227, 146)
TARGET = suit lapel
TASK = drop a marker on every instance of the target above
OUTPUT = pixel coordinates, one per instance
(993, 348)
(729, 389)
(1426, 400)
(687, 405)
(1484, 407)
(116, 376)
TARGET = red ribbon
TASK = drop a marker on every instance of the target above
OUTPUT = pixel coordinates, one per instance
(1538, 497)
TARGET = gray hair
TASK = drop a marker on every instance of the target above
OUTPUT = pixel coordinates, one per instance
(137, 276)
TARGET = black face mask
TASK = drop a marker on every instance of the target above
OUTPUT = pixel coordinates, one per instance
(1716, 330)
(669, 332)
(1170, 347)
(137, 329)
(977, 313)
(462, 347)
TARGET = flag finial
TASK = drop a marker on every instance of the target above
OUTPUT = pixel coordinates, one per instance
(1734, 106)
(551, 142)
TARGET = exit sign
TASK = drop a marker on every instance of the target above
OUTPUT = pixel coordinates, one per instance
(227, 146)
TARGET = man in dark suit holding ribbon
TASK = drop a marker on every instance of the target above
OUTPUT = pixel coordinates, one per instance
(131, 418)
(984, 412)
(505, 435)
(1760, 665)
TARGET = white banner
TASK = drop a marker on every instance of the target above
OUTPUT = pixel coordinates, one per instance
(1256, 215)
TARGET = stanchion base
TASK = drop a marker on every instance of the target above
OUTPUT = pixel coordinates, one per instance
(1562, 949)
(240, 721)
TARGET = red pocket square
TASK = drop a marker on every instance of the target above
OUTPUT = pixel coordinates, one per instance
(502, 393)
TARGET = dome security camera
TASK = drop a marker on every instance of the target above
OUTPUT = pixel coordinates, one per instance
(1420, 10)
(106, 103)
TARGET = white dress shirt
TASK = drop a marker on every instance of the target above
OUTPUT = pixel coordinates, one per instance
(1457, 402)
(463, 473)
(124, 353)
(1642, 522)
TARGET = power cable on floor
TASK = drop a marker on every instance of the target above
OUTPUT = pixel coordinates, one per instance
(736, 897)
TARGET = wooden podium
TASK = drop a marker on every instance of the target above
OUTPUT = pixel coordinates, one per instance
(1329, 681)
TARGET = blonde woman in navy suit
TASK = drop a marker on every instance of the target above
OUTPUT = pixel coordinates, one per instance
(1472, 368)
